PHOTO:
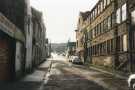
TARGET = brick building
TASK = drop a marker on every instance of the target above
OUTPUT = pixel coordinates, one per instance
(110, 35)
(17, 41)
(12, 40)
(80, 34)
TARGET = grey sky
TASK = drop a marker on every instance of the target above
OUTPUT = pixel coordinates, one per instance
(61, 16)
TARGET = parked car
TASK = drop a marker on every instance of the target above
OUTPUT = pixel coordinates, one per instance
(76, 60)
(70, 59)
(131, 82)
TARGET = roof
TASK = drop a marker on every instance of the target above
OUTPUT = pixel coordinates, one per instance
(85, 14)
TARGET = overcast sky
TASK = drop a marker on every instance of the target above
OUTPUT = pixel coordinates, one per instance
(61, 17)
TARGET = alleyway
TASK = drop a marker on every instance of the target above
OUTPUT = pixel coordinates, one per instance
(58, 74)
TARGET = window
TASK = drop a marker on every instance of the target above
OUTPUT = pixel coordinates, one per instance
(96, 10)
(108, 46)
(112, 45)
(105, 25)
(118, 16)
(118, 43)
(124, 12)
(102, 27)
(99, 28)
(113, 20)
(87, 35)
(124, 42)
(95, 29)
(94, 50)
(102, 51)
(104, 48)
(104, 3)
(133, 18)
(91, 51)
(93, 33)
(93, 15)
(99, 9)
(109, 22)
(108, 2)
(121, 43)
(101, 6)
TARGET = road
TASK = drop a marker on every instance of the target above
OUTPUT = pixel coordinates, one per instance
(66, 76)
(58, 74)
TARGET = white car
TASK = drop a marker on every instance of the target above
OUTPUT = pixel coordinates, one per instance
(76, 60)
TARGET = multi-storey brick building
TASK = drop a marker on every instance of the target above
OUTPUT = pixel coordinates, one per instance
(101, 33)
(110, 34)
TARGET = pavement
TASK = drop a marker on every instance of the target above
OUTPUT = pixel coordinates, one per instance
(39, 73)
(31, 81)
(58, 74)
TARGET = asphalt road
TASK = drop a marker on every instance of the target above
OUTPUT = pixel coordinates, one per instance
(66, 76)
(58, 74)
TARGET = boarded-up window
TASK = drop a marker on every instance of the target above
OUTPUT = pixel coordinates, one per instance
(124, 42)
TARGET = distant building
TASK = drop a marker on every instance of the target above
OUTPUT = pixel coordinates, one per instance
(71, 48)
